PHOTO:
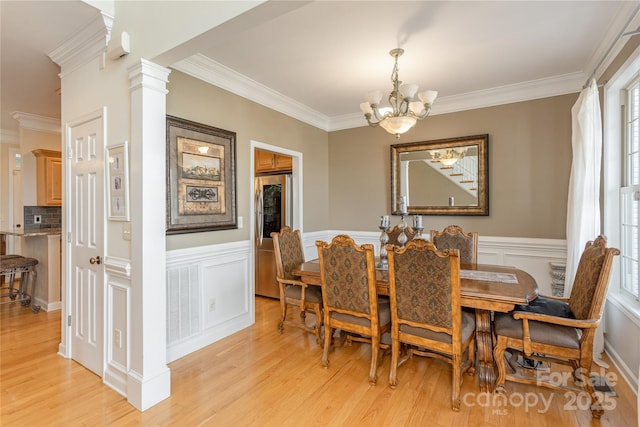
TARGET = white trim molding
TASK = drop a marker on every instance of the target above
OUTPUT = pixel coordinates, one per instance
(84, 45)
(36, 122)
(210, 71)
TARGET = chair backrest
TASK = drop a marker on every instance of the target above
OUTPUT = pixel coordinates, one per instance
(395, 232)
(289, 252)
(424, 286)
(592, 279)
(348, 275)
(454, 237)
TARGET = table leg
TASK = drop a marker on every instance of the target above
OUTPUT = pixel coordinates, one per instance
(485, 369)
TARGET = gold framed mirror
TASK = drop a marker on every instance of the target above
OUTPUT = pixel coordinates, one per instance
(441, 177)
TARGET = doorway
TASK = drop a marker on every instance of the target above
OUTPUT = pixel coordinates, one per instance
(289, 179)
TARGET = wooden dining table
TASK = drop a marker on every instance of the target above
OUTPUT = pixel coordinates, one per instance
(485, 288)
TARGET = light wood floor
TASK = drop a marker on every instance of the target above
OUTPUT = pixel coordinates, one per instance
(258, 377)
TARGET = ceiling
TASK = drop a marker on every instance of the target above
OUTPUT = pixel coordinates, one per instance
(321, 57)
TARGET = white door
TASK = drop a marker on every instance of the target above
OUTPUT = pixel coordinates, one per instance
(86, 204)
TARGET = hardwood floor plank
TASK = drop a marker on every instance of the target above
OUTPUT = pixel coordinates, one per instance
(258, 377)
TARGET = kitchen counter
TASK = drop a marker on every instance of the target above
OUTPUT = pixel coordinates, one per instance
(31, 233)
(45, 245)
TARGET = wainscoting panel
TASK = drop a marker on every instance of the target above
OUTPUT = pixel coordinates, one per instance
(530, 255)
(118, 306)
(623, 351)
(209, 295)
(183, 305)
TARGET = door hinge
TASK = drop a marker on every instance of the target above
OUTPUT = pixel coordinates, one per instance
(69, 320)
(68, 237)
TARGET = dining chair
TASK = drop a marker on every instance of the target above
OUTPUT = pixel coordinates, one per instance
(350, 299)
(426, 315)
(454, 237)
(289, 253)
(395, 232)
(560, 338)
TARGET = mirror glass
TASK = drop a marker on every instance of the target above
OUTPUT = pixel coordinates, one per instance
(441, 177)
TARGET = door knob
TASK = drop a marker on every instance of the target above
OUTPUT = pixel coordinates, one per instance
(95, 260)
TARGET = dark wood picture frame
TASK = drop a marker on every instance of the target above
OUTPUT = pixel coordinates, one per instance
(201, 177)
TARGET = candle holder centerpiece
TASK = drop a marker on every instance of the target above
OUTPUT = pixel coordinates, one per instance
(417, 227)
(403, 235)
(402, 211)
(385, 223)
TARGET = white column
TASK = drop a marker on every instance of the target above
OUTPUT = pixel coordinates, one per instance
(149, 380)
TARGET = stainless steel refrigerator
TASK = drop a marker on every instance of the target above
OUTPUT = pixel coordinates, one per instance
(273, 211)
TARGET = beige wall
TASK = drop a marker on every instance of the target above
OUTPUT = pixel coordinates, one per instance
(201, 102)
(529, 168)
(4, 183)
(347, 173)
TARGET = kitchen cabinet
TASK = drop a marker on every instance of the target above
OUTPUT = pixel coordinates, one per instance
(272, 162)
(48, 177)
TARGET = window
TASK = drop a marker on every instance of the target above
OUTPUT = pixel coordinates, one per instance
(630, 191)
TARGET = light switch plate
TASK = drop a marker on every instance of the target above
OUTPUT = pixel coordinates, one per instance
(126, 231)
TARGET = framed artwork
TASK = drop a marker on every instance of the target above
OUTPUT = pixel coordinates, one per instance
(201, 177)
(118, 178)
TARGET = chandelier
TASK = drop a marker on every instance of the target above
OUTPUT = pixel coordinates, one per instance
(405, 111)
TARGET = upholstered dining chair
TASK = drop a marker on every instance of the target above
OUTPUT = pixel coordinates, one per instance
(395, 232)
(566, 336)
(426, 316)
(289, 253)
(454, 237)
(349, 294)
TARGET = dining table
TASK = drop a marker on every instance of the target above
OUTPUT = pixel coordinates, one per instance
(485, 288)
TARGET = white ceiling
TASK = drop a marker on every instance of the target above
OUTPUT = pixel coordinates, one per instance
(321, 57)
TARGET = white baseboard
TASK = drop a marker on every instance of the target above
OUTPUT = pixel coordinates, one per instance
(625, 372)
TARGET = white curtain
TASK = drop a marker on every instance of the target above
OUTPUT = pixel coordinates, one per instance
(583, 207)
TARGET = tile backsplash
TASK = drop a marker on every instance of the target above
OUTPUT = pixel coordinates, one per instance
(51, 217)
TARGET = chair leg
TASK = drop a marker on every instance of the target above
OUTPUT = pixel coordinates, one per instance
(395, 355)
(498, 355)
(328, 332)
(585, 381)
(456, 364)
(283, 313)
(375, 350)
(472, 356)
(318, 313)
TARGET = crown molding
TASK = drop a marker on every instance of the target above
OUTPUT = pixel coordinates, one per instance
(9, 137)
(203, 68)
(35, 122)
(85, 45)
(210, 71)
(628, 19)
(525, 91)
